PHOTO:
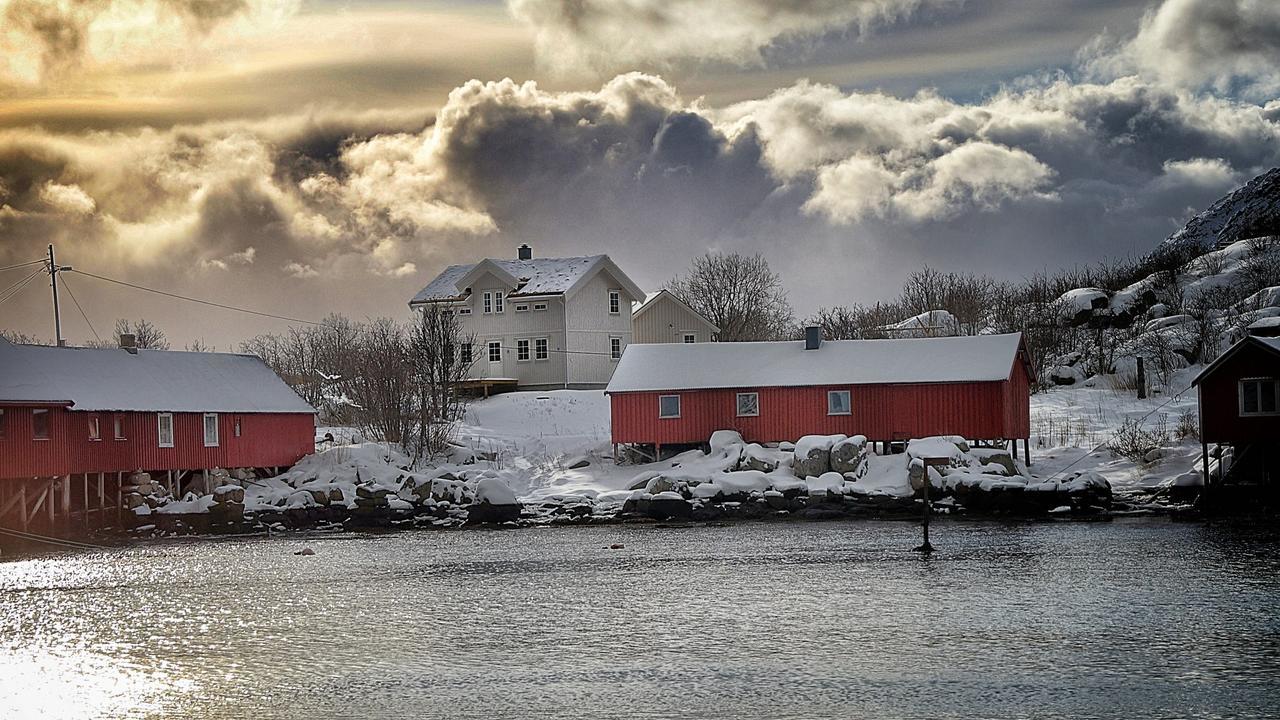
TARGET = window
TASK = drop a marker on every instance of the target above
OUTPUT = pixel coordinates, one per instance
(522, 350)
(211, 429)
(615, 348)
(495, 351)
(615, 302)
(464, 309)
(40, 424)
(488, 302)
(838, 403)
(522, 307)
(539, 307)
(1, 423)
(95, 427)
(164, 430)
(748, 404)
(690, 338)
(464, 353)
(1258, 396)
(497, 301)
(668, 406)
(237, 427)
(118, 421)
(540, 349)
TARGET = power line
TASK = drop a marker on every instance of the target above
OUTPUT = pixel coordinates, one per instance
(74, 544)
(196, 300)
(88, 322)
(21, 265)
(15, 288)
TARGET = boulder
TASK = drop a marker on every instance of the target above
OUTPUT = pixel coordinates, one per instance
(669, 505)
(578, 463)
(849, 456)
(228, 494)
(813, 455)
(369, 490)
(723, 440)
(755, 457)
(485, 512)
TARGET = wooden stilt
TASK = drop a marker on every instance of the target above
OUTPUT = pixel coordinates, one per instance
(102, 500)
(22, 505)
(119, 499)
(1015, 448)
(1026, 447)
(169, 484)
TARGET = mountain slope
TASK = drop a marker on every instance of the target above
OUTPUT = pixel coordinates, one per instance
(1250, 210)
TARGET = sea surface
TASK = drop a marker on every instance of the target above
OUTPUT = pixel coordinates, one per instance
(1139, 618)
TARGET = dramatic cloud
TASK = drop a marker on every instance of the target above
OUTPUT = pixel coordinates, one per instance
(608, 35)
(45, 41)
(1227, 44)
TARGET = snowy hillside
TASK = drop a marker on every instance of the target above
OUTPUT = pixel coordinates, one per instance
(1251, 210)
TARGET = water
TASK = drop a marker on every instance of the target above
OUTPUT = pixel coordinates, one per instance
(1140, 618)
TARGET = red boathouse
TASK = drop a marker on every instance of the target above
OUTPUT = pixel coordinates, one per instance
(888, 390)
(76, 423)
(1240, 410)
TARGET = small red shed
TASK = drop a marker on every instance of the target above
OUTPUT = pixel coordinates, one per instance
(977, 387)
(1240, 405)
(75, 423)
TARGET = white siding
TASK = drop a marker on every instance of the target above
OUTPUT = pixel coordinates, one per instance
(590, 325)
(509, 326)
(667, 321)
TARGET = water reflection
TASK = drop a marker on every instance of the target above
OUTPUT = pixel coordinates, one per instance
(1126, 619)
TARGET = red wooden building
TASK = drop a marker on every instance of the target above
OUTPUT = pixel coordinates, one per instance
(75, 423)
(1240, 408)
(888, 390)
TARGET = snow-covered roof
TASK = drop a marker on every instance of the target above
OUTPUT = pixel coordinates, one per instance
(539, 276)
(151, 381)
(693, 366)
(1266, 343)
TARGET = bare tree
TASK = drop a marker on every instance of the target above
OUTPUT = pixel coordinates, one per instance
(435, 344)
(146, 334)
(313, 360)
(378, 379)
(856, 322)
(741, 295)
(199, 345)
(21, 338)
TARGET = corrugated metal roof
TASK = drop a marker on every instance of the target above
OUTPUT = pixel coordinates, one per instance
(692, 366)
(151, 381)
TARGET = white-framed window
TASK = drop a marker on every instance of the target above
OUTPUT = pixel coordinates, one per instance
(748, 404)
(615, 348)
(464, 309)
(164, 430)
(839, 402)
(495, 351)
(497, 301)
(540, 349)
(539, 307)
(211, 429)
(1258, 396)
(522, 307)
(522, 350)
(39, 424)
(668, 406)
(488, 302)
(95, 427)
(615, 302)
(465, 353)
(118, 422)
(236, 431)
(690, 338)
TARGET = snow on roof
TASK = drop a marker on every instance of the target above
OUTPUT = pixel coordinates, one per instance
(151, 381)
(544, 276)
(1267, 343)
(692, 366)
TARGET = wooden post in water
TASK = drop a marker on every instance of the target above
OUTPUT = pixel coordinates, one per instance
(928, 504)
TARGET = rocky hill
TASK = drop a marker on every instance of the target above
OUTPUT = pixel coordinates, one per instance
(1248, 211)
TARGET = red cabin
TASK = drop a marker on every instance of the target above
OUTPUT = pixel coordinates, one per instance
(1240, 408)
(75, 423)
(888, 390)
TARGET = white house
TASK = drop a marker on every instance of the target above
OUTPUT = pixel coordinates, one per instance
(540, 323)
(664, 318)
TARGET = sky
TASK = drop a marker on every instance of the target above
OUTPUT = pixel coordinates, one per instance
(306, 157)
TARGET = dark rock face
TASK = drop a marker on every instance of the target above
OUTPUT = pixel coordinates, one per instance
(1248, 211)
(490, 514)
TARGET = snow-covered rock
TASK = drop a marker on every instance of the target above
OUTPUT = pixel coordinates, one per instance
(813, 454)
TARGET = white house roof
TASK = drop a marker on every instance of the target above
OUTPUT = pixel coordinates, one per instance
(539, 276)
(694, 366)
(152, 381)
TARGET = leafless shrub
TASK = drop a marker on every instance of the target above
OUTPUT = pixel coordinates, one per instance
(1208, 264)
(740, 294)
(434, 345)
(1134, 442)
(1188, 426)
(20, 338)
(856, 322)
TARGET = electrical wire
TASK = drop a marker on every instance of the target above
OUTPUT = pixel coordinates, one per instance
(74, 544)
(194, 300)
(87, 321)
(15, 288)
(22, 265)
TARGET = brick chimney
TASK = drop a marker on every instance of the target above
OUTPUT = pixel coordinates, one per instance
(129, 343)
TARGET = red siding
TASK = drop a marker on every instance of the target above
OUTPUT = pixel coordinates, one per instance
(265, 440)
(978, 410)
(1220, 420)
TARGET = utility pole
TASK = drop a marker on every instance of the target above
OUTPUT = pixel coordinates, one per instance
(57, 311)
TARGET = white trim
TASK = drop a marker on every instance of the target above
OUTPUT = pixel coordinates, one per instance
(498, 305)
(615, 294)
(1275, 396)
(527, 350)
(737, 404)
(689, 338)
(486, 302)
(644, 307)
(678, 407)
(546, 349)
(540, 307)
(117, 426)
(848, 402)
(204, 430)
(621, 347)
(160, 441)
(488, 350)
(95, 428)
(522, 307)
(43, 412)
